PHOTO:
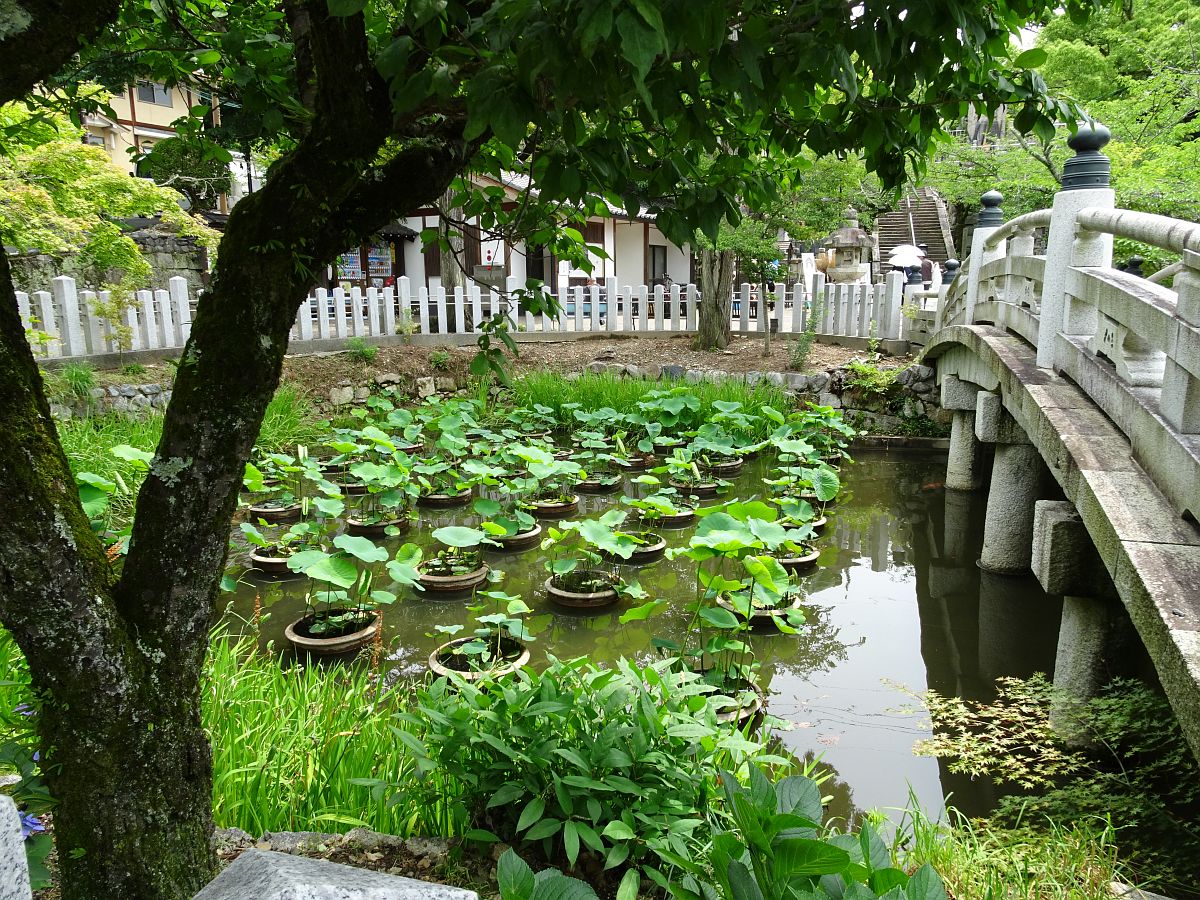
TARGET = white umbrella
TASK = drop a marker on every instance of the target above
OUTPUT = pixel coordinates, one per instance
(906, 248)
(904, 259)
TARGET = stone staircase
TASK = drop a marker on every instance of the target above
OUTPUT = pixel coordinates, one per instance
(920, 219)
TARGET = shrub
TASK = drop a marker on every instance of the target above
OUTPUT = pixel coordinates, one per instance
(133, 369)
(358, 348)
(439, 360)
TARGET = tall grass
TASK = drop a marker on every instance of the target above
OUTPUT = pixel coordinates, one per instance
(981, 862)
(290, 419)
(596, 391)
(287, 742)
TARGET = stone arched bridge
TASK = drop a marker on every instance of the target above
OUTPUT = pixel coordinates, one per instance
(1086, 379)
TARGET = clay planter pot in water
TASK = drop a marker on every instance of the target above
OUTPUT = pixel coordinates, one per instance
(725, 468)
(262, 560)
(297, 634)
(609, 485)
(750, 712)
(580, 599)
(453, 584)
(445, 501)
(375, 529)
(412, 449)
(642, 463)
(704, 489)
(442, 660)
(273, 512)
(555, 509)
(818, 524)
(761, 619)
(798, 565)
(652, 550)
(523, 541)
(351, 488)
(681, 519)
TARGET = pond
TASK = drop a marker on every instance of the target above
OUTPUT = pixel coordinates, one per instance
(897, 600)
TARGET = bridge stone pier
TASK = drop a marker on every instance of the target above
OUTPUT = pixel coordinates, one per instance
(1084, 380)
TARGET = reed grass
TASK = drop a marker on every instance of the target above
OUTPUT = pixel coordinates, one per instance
(288, 740)
(978, 861)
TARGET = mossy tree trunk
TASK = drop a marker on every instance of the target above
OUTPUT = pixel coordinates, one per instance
(116, 661)
(716, 291)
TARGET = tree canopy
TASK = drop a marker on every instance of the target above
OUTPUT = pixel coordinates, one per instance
(382, 105)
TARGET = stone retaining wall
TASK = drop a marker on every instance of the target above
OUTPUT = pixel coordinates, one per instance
(130, 399)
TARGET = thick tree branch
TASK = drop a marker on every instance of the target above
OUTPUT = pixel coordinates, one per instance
(37, 37)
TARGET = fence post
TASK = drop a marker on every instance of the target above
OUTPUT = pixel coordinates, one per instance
(693, 314)
(944, 291)
(49, 322)
(744, 308)
(439, 294)
(1085, 183)
(339, 313)
(177, 287)
(25, 310)
(893, 305)
(798, 316)
(460, 312)
(611, 301)
(149, 321)
(423, 309)
(357, 325)
(373, 310)
(304, 319)
(162, 300)
(991, 217)
(65, 298)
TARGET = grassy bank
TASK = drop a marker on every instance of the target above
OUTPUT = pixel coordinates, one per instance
(290, 419)
(599, 391)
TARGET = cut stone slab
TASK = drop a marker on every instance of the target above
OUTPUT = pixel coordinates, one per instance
(266, 875)
(14, 872)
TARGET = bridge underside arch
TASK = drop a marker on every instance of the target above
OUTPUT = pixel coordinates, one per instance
(1151, 553)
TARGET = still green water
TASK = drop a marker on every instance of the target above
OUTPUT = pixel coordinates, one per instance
(897, 600)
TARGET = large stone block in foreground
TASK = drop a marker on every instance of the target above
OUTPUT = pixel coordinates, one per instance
(14, 876)
(265, 875)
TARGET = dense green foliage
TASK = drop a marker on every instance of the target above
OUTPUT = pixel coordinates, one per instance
(183, 165)
(1133, 67)
(1142, 768)
(60, 196)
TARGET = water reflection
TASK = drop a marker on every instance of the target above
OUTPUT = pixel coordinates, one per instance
(898, 599)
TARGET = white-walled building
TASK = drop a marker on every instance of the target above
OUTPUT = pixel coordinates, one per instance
(638, 253)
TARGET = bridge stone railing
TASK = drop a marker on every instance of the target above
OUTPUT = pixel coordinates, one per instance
(1133, 345)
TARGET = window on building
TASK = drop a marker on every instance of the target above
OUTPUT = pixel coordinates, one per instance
(658, 261)
(94, 140)
(153, 92)
(593, 233)
(432, 252)
(538, 263)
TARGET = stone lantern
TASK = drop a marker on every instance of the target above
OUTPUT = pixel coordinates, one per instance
(850, 247)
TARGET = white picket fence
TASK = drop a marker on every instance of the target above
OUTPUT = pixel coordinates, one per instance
(65, 321)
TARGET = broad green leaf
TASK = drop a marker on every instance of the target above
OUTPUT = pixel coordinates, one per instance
(531, 813)
(514, 877)
(360, 548)
(459, 536)
(616, 830)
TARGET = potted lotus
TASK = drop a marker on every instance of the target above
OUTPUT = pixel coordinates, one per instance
(683, 474)
(575, 575)
(410, 439)
(458, 566)
(346, 452)
(766, 596)
(279, 484)
(664, 508)
(507, 520)
(601, 469)
(555, 497)
(497, 647)
(271, 551)
(342, 604)
(714, 451)
(443, 485)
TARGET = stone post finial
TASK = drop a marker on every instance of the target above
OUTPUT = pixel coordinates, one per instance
(914, 275)
(1088, 168)
(951, 267)
(1134, 266)
(991, 214)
